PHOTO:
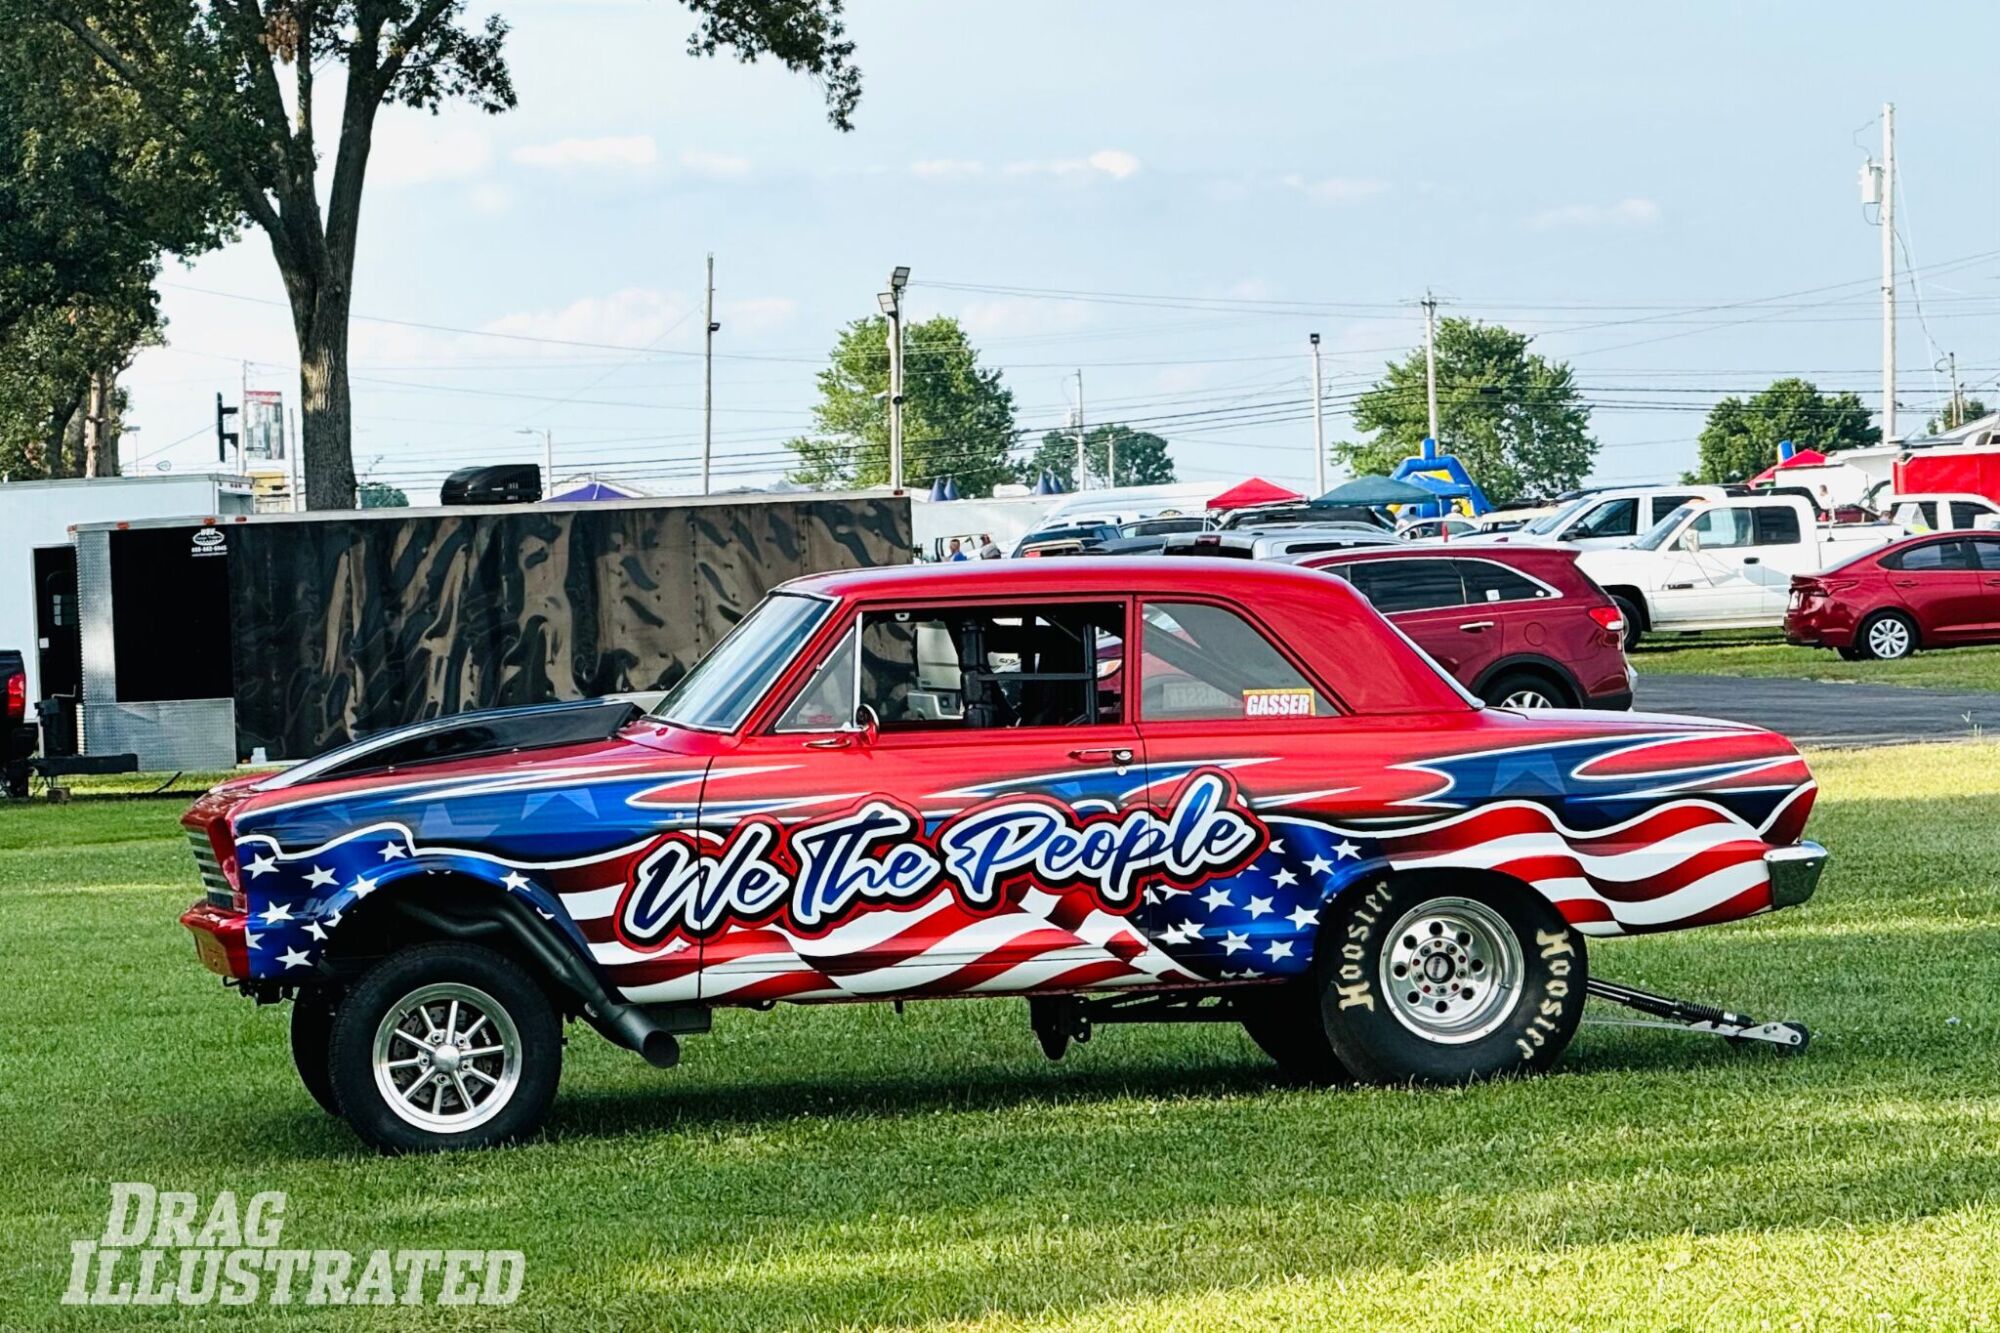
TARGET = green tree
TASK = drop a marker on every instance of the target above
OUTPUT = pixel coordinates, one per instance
(209, 73)
(1143, 459)
(1513, 417)
(1741, 437)
(381, 495)
(1969, 409)
(61, 411)
(958, 418)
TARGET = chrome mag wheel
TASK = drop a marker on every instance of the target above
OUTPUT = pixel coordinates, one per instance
(1889, 638)
(1528, 697)
(1452, 970)
(447, 1057)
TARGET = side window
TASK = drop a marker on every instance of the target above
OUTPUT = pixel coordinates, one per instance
(1986, 550)
(977, 667)
(1488, 582)
(1719, 529)
(1776, 527)
(1407, 585)
(1667, 504)
(1616, 518)
(1208, 663)
(1931, 556)
(1964, 515)
(827, 701)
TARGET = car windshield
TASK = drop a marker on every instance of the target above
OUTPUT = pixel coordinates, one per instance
(1657, 536)
(1548, 523)
(725, 685)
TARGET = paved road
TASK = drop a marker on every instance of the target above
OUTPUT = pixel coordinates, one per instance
(1812, 712)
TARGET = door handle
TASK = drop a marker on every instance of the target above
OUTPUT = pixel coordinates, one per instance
(1117, 754)
(1752, 560)
(1475, 626)
(1906, 583)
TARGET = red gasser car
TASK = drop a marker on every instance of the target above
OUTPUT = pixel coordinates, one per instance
(1130, 790)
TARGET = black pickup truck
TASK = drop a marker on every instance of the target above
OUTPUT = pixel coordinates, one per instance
(17, 734)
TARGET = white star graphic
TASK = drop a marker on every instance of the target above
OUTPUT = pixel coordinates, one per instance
(1346, 850)
(1286, 879)
(251, 939)
(259, 866)
(316, 930)
(391, 850)
(1278, 846)
(362, 886)
(1305, 918)
(319, 878)
(1319, 865)
(1232, 942)
(275, 913)
(1217, 897)
(1257, 907)
(1174, 935)
(293, 958)
(1280, 949)
(517, 881)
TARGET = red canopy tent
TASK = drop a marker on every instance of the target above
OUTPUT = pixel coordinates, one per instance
(1255, 491)
(1803, 458)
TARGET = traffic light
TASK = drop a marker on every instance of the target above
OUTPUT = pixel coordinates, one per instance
(223, 438)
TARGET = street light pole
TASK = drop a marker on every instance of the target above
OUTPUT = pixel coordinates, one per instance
(548, 457)
(1319, 428)
(892, 306)
(708, 379)
(1430, 363)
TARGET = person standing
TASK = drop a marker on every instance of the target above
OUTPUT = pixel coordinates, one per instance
(988, 548)
(957, 552)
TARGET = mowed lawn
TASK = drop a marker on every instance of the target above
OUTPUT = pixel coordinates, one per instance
(855, 1167)
(1765, 653)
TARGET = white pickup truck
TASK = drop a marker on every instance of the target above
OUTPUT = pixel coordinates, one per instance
(1724, 564)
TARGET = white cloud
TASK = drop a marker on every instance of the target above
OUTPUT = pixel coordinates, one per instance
(421, 153)
(716, 166)
(1633, 212)
(946, 168)
(1337, 189)
(1113, 162)
(607, 152)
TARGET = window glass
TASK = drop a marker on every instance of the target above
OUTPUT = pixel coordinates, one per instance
(1719, 529)
(980, 667)
(1614, 518)
(1986, 550)
(827, 701)
(1488, 582)
(1665, 528)
(726, 684)
(1206, 662)
(1407, 585)
(1965, 515)
(1776, 527)
(1667, 504)
(1932, 556)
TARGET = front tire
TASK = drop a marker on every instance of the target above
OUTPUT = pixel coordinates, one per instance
(1889, 636)
(445, 1046)
(1633, 614)
(1525, 690)
(312, 1049)
(1439, 979)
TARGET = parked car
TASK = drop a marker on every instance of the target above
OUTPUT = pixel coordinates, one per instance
(1520, 627)
(1228, 793)
(1066, 540)
(1437, 529)
(1163, 526)
(1608, 517)
(1296, 513)
(1277, 543)
(1726, 564)
(1926, 592)
(19, 737)
(1939, 513)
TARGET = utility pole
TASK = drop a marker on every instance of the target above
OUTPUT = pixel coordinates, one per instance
(1954, 413)
(549, 458)
(1889, 273)
(1082, 458)
(1319, 427)
(294, 446)
(242, 396)
(710, 328)
(891, 302)
(1431, 361)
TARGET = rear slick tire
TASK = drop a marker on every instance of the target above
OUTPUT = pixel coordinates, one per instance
(1445, 978)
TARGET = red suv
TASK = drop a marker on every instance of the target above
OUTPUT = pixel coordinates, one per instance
(1519, 626)
(1940, 590)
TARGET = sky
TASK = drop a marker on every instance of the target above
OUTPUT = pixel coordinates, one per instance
(1167, 197)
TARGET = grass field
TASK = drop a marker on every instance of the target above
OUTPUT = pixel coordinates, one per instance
(849, 1166)
(1765, 653)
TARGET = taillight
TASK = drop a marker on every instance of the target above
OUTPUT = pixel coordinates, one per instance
(17, 697)
(225, 859)
(1607, 618)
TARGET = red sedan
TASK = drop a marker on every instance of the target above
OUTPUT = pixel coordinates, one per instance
(1934, 591)
(1520, 626)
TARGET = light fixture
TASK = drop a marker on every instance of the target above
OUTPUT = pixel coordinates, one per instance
(887, 300)
(899, 277)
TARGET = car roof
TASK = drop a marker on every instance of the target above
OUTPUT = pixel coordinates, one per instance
(1499, 555)
(1064, 575)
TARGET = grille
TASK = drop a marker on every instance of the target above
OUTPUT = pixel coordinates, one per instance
(211, 870)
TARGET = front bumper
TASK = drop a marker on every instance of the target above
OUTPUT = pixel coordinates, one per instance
(221, 940)
(1794, 872)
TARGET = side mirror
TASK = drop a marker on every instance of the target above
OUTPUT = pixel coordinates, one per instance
(1690, 540)
(866, 725)
(861, 731)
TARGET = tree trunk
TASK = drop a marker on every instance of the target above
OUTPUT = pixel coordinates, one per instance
(319, 318)
(96, 428)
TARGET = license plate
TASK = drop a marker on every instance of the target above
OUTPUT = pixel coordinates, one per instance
(1798, 599)
(211, 952)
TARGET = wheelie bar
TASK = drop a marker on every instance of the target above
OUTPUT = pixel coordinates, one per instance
(1687, 1016)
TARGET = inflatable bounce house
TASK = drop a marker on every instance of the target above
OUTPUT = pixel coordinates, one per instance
(1445, 477)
